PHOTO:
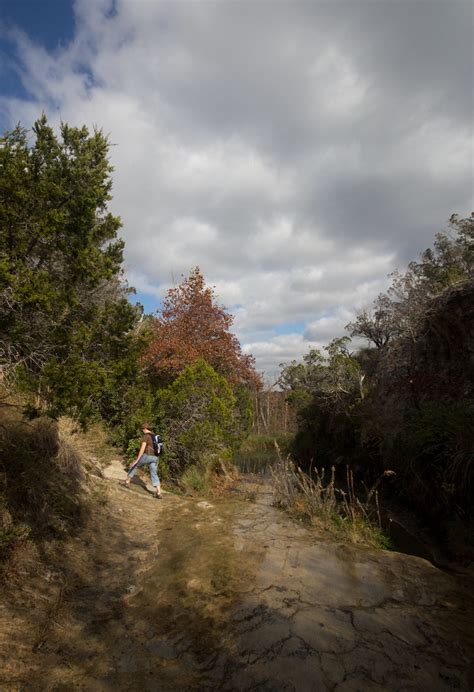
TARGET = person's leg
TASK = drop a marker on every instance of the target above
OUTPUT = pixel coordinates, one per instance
(155, 481)
(141, 462)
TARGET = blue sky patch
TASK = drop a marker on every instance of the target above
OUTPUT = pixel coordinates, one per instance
(50, 23)
(290, 328)
(150, 303)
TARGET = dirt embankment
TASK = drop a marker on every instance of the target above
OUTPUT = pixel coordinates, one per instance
(63, 596)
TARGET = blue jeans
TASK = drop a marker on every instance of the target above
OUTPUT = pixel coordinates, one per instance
(152, 463)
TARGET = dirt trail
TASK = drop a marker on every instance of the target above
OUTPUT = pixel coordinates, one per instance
(231, 594)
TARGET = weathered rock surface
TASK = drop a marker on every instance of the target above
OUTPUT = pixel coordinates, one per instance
(239, 597)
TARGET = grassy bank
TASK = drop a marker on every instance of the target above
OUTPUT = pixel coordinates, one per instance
(256, 454)
(315, 499)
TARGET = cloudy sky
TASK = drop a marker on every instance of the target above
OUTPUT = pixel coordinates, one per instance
(297, 152)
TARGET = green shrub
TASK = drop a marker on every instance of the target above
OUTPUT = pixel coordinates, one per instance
(199, 419)
(195, 478)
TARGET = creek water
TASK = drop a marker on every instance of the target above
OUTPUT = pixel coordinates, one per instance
(242, 598)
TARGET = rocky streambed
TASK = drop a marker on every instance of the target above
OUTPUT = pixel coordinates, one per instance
(239, 597)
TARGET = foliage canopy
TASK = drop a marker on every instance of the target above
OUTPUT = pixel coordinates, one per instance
(65, 320)
(398, 312)
(198, 412)
(192, 325)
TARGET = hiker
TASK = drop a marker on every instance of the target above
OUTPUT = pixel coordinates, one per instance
(146, 455)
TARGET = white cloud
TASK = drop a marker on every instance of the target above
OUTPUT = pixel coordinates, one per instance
(337, 87)
(273, 352)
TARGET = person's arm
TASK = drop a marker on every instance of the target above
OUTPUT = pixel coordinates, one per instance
(140, 454)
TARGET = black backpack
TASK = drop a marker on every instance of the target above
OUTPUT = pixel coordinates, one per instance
(157, 444)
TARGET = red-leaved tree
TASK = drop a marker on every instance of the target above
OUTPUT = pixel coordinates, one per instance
(193, 325)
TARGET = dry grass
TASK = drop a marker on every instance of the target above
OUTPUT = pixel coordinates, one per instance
(92, 448)
(42, 478)
(315, 499)
(47, 485)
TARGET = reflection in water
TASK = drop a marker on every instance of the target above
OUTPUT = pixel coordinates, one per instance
(255, 466)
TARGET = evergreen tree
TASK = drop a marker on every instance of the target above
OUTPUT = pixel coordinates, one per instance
(65, 320)
(199, 415)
